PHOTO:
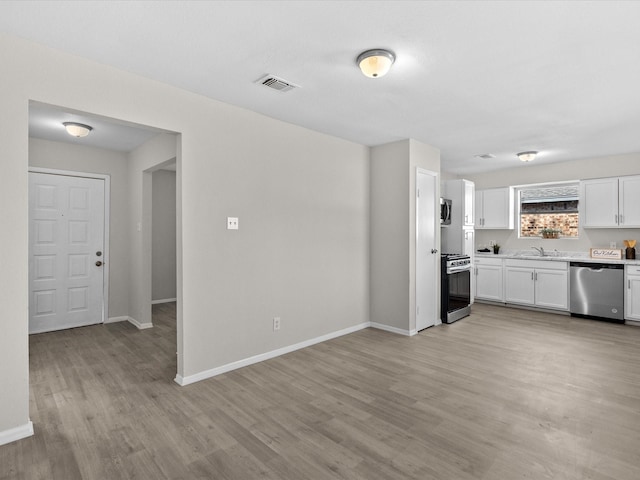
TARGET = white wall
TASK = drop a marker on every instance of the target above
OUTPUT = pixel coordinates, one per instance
(163, 241)
(79, 158)
(390, 240)
(523, 174)
(302, 198)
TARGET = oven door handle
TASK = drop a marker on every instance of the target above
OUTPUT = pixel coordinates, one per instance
(462, 268)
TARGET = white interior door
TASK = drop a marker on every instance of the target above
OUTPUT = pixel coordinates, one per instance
(66, 251)
(427, 255)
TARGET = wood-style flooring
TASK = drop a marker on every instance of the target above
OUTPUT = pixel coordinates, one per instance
(503, 394)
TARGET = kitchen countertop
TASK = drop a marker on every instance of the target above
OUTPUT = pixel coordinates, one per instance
(553, 256)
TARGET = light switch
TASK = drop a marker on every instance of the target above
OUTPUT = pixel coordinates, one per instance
(232, 223)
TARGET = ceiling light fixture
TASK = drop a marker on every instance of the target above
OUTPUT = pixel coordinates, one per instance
(77, 129)
(527, 156)
(375, 63)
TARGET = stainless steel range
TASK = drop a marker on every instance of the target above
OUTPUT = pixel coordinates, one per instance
(455, 300)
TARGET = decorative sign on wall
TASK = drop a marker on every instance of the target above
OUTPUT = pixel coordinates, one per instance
(606, 253)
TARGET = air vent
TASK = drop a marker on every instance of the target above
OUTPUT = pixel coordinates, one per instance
(276, 83)
(485, 156)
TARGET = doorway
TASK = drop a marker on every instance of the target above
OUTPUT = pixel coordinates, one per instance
(121, 153)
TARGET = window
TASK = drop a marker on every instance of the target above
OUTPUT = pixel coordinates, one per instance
(549, 211)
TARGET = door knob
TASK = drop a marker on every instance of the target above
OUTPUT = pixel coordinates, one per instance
(98, 263)
(98, 253)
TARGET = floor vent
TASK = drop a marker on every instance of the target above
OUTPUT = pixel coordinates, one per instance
(276, 83)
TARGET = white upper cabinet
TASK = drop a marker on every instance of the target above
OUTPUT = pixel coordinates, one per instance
(610, 202)
(461, 193)
(469, 202)
(629, 201)
(458, 237)
(494, 208)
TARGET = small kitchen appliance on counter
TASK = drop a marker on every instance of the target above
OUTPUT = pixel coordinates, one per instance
(455, 301)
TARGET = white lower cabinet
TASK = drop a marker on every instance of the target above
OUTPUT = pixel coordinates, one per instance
(539, 283)
(488, 279)
(632, 293)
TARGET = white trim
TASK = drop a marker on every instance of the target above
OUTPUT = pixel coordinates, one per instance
(107, 222)
(18, 433)
(138, 325)
(117, 319)
(388, 328)
(163, 300)
(180, 380)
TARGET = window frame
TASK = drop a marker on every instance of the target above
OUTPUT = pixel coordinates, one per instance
(518, 210)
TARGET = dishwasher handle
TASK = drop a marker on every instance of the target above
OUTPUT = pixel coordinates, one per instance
(598, 267)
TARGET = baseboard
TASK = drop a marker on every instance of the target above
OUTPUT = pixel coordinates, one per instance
(189, 379)
(116, 319)
(634, 323)
(138, 325)
(387, 328)
(18, 433)
(164, 300)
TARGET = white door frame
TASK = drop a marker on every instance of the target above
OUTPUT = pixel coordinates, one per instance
(107, 193)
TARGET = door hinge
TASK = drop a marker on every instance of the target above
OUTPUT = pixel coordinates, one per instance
(417, 310)
(418, 193)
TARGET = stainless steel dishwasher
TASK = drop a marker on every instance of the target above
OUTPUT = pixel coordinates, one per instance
(597, 290)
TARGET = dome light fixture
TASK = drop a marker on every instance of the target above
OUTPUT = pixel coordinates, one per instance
(527, 156)
(78, 130)
(375, 63)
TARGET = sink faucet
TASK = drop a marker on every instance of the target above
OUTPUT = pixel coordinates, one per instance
(540, 250)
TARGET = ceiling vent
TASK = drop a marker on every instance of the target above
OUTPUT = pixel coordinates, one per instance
(485, 156)
(276, 83)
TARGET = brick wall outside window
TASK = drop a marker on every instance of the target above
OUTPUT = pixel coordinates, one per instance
(532, 223)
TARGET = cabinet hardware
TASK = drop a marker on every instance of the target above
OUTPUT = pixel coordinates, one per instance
(616, 218)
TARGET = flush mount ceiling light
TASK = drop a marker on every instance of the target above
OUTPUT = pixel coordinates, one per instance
(77, 129)
(527, 156)
(375, 63)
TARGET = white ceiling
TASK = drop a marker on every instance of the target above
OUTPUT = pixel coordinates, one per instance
(45, 121)
(476, 77)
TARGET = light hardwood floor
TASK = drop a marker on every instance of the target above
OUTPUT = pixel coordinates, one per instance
(504, 394)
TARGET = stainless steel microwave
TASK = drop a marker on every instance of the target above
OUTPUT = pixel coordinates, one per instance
(445, 211)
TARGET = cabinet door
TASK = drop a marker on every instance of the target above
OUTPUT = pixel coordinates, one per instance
(519, 285)
(629, 201)
(489, 282)
(599, 202)
(632, 298)
(552, 289)
(468, 242)
(479, 208)
(468, 246)
(497, 208)
(469, 200)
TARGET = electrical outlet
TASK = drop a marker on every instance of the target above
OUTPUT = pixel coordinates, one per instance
(492, 243)
(232, 223)
(276, 323)
(613, 245)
